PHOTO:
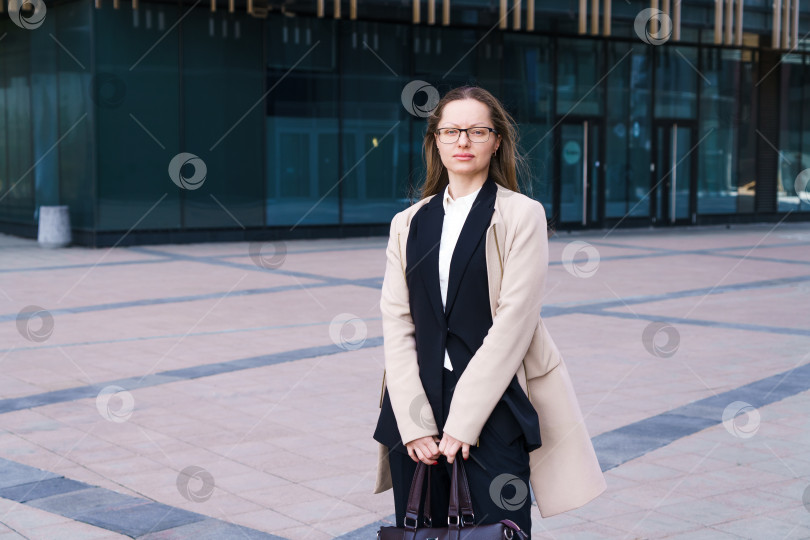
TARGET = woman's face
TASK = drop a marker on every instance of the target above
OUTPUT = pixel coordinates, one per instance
(465, 157)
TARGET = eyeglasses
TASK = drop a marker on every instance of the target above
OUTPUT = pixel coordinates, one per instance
(475, 134)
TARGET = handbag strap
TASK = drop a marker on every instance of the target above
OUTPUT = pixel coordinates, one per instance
(427, 517)
(460, 508)
(412, 511)
(465, 499)
(415, 495)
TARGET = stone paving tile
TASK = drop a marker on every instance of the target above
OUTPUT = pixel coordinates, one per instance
(284, 467)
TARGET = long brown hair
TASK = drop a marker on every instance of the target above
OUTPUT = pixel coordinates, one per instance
(503, 166)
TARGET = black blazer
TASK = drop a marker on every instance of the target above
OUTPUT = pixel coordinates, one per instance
(461, 326)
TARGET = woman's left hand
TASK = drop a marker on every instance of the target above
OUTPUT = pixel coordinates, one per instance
(450, 446)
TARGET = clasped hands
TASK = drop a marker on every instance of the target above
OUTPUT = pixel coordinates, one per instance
(428, 449)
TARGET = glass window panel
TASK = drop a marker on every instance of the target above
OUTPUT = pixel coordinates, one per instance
(676, 78)
(137, 117)
(627, 161)
(578, 72)
(791, 139)
(302, 122)
(223, 115)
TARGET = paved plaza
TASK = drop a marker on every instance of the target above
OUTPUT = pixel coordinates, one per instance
(230, 390)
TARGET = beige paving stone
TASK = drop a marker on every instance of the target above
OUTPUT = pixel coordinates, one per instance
(280, 495)
(303, 533)
(289, 445)
(71, 530)
(316, 511)
(265, 520)
(21, 518)
(584, 531)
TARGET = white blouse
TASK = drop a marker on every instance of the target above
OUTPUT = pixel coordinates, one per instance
(455, 214)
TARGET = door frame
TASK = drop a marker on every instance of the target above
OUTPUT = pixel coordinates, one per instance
(598, 152)
(668, 144)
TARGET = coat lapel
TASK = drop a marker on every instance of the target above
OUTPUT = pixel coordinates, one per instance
(474, 228)
(431, 222)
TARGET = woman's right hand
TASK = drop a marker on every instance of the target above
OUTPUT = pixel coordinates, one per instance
(425, 449)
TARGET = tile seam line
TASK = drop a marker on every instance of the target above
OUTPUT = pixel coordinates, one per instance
(75, 393)
(365, 282)
(612, 465)
(208, 370)
(621, 431)
(141, 501)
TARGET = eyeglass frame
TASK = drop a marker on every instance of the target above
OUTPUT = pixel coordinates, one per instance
(491, 130)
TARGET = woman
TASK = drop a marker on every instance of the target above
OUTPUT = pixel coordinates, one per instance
(470, 368)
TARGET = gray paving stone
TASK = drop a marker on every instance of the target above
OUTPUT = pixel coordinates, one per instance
(39, 489)
(140, 519)
(14, 474)
(210, 529)
(84, 501)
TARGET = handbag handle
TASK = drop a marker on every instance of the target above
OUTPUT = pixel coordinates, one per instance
(460, 507)
(460, 510)
(412, 512)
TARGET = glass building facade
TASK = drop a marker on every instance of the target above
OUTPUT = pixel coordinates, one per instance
(299, 126)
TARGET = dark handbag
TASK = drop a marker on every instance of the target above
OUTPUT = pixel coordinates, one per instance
(460, 517)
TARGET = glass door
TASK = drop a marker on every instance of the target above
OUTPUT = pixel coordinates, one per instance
(579, 148)
(673, 172)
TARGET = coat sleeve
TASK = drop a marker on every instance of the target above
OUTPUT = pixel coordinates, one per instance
(408, 399)
(496, 361)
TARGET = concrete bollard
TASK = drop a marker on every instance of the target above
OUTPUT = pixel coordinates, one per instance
(54, 226)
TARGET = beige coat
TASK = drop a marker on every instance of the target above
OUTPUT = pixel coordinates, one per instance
(565, 473)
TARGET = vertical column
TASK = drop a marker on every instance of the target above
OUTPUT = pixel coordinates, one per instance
(516, 15)
(676, 21)
(594, 17)
(729, 21)
(583, 13)
(431, 12)
(795, 24)
(416, 14)
(777, 21)
(445, 12)
(738, 28)
(320, 8)
(718, 21)
(606, 16)
(530, 15)
(785, 24)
